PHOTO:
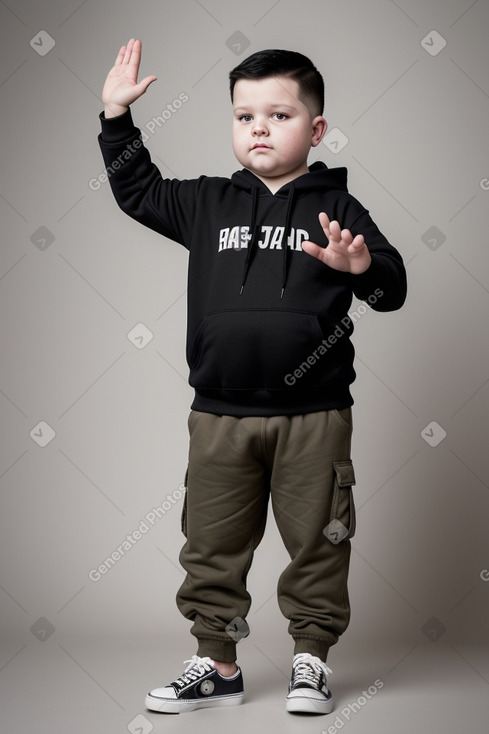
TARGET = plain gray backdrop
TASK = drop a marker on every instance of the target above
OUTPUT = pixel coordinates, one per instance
(93, 386)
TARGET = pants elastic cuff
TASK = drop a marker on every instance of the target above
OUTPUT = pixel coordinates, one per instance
(318, 648)
(216, 649)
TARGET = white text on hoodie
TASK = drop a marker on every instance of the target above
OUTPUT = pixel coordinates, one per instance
(237, 238)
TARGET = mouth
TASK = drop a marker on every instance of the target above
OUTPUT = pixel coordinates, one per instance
(263, 146)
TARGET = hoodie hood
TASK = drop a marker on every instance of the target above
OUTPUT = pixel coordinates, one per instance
(319, 177)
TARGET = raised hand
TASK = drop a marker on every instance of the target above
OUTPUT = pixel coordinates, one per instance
(121, 87)
(344, 252)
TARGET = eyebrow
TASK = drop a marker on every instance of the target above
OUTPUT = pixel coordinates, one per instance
(275, 105)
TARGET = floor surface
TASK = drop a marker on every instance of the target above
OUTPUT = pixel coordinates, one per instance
(78, 685)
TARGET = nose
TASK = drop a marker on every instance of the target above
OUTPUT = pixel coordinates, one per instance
(259, 126)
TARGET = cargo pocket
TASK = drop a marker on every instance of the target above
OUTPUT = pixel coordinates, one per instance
(342, 520)
(183, 519)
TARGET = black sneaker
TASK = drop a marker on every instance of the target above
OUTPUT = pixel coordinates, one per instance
(308, 692)
(200, 686)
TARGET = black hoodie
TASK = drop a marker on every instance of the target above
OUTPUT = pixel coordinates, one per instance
(268, 331)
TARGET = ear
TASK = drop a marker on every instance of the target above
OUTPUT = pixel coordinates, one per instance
(319, 127)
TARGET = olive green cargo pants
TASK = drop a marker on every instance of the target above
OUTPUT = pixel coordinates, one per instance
(235, 464)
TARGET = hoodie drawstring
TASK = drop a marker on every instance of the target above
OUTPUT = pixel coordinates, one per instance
(254, 237)
(288, 215)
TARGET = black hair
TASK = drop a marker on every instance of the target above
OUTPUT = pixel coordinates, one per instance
(292, 64)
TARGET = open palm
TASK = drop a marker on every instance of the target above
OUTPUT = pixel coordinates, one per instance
(121, 87)
(344, 252)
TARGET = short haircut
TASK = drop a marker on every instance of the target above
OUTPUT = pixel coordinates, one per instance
(277, 62)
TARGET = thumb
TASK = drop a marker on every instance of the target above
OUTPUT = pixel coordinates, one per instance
(312, 249)
(144, 83)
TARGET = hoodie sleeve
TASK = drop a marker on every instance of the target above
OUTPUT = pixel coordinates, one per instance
(386, 273)
(165, 205)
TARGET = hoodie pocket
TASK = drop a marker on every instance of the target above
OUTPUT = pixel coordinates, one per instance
(255, 349)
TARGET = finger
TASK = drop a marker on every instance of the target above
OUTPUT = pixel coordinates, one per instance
(144, 83)
(128, 53)
(325, 223)
(346, 236)
(358, 242)
(335, 231)
(312, 249)
(120, 56)
(135, 58)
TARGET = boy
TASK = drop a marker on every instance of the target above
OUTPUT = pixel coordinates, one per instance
(270, 360)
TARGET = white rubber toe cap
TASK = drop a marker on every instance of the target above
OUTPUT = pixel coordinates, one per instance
(167, 692)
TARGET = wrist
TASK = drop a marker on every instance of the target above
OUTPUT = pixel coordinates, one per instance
(366, 265)
(114, 110)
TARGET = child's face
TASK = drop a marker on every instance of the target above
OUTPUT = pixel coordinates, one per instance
(273, 130)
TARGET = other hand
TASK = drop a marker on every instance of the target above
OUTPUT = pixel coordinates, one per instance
(344, 252)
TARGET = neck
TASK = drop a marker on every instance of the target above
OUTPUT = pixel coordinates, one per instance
(276, 182)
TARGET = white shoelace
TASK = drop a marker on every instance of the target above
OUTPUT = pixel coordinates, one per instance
(197, 666)
(308, 669)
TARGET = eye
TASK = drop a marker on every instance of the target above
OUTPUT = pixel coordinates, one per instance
(244, 118)
(280, 116)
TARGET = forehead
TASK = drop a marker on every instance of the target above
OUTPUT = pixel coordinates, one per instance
(272, 90)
